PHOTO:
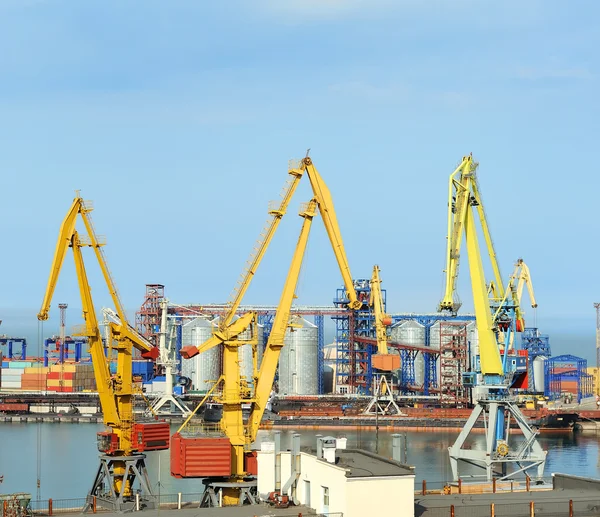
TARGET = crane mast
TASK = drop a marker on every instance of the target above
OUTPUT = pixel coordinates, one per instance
(496, 308)
(121, 462)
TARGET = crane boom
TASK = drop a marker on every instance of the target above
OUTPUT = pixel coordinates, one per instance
(324, 201)
(463, 201)
(463, 194)
(275, 342)
(382, 320)
(260, 249)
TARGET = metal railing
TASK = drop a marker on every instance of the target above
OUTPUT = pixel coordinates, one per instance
(525, 509)
(425, 487)
(178, 501)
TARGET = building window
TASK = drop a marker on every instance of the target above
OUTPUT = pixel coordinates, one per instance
(325, 498)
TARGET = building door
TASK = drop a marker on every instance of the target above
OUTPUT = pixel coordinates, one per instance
(325, 501)
(307, 492)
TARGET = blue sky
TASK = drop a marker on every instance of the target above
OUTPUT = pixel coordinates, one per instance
(178, 119)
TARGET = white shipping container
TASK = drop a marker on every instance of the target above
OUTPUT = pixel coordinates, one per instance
(159, 387)
(12, 371)
(11, 384)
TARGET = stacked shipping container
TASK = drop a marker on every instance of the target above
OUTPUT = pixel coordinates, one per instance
(69, 378)
(31, 376)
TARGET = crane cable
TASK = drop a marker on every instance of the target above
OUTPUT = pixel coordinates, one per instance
(39, 424)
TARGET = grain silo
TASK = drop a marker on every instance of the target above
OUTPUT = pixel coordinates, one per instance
(205, 368)
(410, 333)
(539, 373)
(245, 354)
(298, 362)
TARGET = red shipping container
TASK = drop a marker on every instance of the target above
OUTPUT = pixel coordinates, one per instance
(151, 436)
(21, 408)
(251, 463)
(65, 376)
(200, 457)
(522, 353)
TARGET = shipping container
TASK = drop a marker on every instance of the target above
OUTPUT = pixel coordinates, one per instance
(200, 456)
(151, 436)
(386, 362)
(14, 407)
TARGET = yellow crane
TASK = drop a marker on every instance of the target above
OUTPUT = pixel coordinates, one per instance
(235, 393)
(122, 462)
(383, 360)
(495, 317)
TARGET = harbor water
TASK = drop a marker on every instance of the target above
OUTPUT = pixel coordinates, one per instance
(64, 456)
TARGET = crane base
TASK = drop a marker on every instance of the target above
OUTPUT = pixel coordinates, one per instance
(214, 487)
(103, 493)
(499, 459)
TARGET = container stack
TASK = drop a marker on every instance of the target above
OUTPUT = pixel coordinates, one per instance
(34, 378)
(10, 376)
(70, 378)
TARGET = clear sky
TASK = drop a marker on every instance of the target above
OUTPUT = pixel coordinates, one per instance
(178, 119)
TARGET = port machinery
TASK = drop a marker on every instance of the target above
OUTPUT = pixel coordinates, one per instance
(498, 315)
(236, 393)
(121, 480)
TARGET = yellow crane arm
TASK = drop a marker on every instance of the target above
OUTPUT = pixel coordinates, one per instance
(525, 278)
(220, 336)
(270, 358)
(491, 363)
(382, 320)
(124, 330)
(65, 237)
(458, 202)
(104, 386)
(327, 211)
(463, 196)
(487, 236)
(260, 249)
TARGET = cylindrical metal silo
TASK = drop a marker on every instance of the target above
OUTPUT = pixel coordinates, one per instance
(205, 368)
(245, 354)
(410, 333)
(419, 370)
(539, 375)
(298, 362)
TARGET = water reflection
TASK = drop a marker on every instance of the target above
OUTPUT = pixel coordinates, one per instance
(69, 458)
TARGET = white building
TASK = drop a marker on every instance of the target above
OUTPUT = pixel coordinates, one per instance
(351, 481)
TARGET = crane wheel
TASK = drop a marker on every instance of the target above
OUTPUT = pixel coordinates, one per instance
(502, 449)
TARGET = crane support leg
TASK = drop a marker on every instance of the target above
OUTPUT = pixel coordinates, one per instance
(499, 453)
(113, 485)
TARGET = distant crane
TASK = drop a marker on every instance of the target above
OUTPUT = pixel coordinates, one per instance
(495, 313)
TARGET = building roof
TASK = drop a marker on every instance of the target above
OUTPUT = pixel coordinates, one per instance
(361, 463)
